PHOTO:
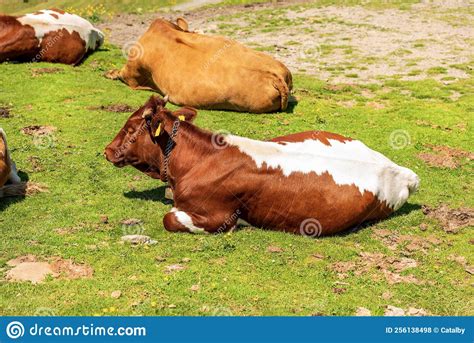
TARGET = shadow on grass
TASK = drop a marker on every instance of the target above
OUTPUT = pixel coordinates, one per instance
(156, 194)
(403, 211)
(7, 201)
(292, 103)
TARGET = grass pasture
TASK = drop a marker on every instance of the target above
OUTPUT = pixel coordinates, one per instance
(250, 271)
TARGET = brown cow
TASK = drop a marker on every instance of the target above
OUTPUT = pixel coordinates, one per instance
(312, 183)
(206, 71)
(47, 35)
(8, 172)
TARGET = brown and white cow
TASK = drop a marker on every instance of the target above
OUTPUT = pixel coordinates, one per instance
(203, 71)
(8, 172)
(312, 183)
(48, 35)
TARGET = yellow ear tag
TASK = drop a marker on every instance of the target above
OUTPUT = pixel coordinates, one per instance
(158, 131)
(182, 118)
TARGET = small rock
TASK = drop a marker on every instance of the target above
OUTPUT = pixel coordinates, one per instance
(339, 290)
(363, 312)
(318, 256)
(417, 312)
(274, 249)
(173, 268)
(116, 294)
(131, 221)
(160, 259)
(172, 306)
(195, 288)
(104, 219)
(469, 269)
(423, 226)
(186, 260)
(138, 239)
(392, 311)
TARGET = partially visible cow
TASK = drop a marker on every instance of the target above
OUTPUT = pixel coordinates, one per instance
(314, 183)
(8, 172)
(48, 35)
(208, 72)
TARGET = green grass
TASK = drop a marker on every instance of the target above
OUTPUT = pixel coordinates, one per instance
(235, 272)
(106, 7)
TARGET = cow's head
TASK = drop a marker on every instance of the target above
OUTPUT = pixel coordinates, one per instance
(136, 144)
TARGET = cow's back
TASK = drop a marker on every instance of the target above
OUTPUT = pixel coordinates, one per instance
(48, 35)
(334, 180)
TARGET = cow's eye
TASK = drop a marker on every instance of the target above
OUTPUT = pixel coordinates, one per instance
(130, 130)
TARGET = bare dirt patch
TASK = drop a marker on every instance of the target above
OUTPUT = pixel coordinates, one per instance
(391, 311)
(40, 71)
(38, 130)
(463, 262)
(274, 249)
(381, 265)
(23, 189)
(174, 268)
(445, 157)
(340, 44)
(117, 108)
(71, 270)
(451, 220)
(4, 112)
(34, 188)
(29, 268)
(408, 243)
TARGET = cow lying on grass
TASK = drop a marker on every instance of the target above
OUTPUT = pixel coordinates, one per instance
(313, 183)
(8, 172)
(205, 71)
(49, 36)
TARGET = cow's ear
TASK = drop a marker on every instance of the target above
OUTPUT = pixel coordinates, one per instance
(188, 113)
(182, 24)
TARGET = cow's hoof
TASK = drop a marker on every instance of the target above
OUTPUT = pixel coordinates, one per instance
(169, 193)
(113, 74)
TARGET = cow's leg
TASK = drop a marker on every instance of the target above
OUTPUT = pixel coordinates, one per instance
(181, 221)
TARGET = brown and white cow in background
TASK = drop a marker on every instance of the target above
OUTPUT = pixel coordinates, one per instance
(48, 35)
(314, 183)
(8, 172)
(208, 72)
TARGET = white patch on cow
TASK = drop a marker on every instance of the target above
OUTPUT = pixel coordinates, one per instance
(349, 162)
(187, 221)
(45, 23)
(13, 177)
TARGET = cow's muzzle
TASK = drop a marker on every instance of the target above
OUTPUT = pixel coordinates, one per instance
(113, 157)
